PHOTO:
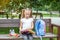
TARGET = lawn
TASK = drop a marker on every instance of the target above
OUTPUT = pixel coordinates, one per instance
(53, 15)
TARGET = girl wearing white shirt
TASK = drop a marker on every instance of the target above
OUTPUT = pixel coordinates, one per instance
(26, 24)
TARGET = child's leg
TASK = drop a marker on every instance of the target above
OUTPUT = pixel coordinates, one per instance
(25, 37)
(30, 37)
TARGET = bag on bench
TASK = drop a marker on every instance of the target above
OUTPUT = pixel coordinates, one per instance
(40, 28)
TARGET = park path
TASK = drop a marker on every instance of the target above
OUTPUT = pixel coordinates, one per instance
(54, 20)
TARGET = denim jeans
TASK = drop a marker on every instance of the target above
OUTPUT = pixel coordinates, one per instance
(27, 37)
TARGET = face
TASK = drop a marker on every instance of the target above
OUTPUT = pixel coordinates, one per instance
(27, 13)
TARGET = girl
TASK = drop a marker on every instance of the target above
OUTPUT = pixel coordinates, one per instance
(26, 24)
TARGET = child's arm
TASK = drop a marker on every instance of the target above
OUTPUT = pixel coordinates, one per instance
(32, 25)
(20, 26)
(30, 29)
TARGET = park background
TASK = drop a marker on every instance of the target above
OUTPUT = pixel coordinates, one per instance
(11, 9)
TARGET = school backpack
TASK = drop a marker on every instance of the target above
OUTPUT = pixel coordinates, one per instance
(40, 27)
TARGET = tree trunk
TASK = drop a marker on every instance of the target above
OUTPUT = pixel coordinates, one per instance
(50, 13)
(59, 13)
(36, 14)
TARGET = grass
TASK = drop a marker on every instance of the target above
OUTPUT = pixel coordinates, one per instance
(6, 30)
(53, 15)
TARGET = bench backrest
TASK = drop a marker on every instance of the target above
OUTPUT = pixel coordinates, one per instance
(16, 22)
(9, 22)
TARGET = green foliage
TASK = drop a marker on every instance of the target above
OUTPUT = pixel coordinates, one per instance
(35, 4)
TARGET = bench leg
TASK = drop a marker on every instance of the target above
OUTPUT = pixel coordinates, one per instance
(51, 30)
(51, 38)
(58, 38)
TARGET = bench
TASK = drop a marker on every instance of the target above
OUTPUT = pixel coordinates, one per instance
(16, 23)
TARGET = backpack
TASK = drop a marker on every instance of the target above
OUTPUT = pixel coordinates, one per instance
(40, 27)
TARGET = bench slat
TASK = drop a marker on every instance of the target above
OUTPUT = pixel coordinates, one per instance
(9, 22)
(16, 22)
(6, 36)
(47, 35)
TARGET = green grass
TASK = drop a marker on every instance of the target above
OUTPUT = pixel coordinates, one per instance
(6, 30)
(53, 15)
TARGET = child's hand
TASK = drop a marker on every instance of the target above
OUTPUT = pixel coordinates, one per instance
(31, 31)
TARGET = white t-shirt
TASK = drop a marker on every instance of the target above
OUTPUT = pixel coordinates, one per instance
(26, 23)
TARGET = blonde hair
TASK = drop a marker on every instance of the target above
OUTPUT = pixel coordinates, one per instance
(23, 10)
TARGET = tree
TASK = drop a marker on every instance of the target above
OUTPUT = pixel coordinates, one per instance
(3, 3)
(46, 5)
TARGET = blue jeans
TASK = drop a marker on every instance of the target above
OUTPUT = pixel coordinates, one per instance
(27, 36)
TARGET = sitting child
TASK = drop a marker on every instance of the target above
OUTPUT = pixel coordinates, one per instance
(26, 24)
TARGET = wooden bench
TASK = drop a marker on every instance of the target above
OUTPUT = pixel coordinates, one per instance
(16, 23)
